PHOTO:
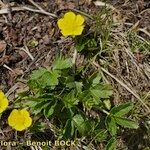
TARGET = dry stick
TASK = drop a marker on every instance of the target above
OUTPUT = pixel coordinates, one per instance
(40, 8)
(122, 84)
(12, 89)
(7, 67)
(144, 31)
(23, 8)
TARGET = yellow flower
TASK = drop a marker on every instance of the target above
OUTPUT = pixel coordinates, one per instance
(71, 24)
(3, 102)
(19, 119)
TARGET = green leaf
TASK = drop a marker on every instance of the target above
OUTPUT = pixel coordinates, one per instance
(111, 125)
(38, 108)
(107, 104)
(78, 86)
(70, 99)
(49, 110)
(38, 99)
(101, 91)
(61, 63)
(82, 125)
(96, 80)
(38, 73)
(30, 103)
(37, 127)
(75, 85)
(33, 84)
(50, 78)
(90, 102)
(69, 129)
(127, 123)
(112, 144)
(100, 135)
(121, 110)
(80, 47)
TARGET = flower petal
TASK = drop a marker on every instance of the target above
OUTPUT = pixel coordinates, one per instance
(79, 20)
(4, 103)
(19, 127)
(70, 17)
(27, 122)
(78, 30)
(2, 95)
(66, 32)
(61, 23)
(12, 119)
(24, 113)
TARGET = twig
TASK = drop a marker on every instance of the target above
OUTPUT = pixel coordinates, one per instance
(7, 67)
(144, 31)
(25, 49)
(40, 8)
(122, 84)
(12, 89)
(24, 8)
(74, 56)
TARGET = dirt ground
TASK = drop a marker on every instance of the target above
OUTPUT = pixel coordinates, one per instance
(29, 40)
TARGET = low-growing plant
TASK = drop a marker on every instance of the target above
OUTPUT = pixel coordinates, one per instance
(64, 95)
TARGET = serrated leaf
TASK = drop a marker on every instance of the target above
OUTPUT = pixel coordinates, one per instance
(50, 78)
(82, 125)
(75, 85)
(33, 84)
(70, 99)
(101, 94)
(112, 144)
(90, 102)
(96, 80)
(121, 110)
(61, 63)
(127, 123)
(111, 125)
(101, 91)
(38, 73)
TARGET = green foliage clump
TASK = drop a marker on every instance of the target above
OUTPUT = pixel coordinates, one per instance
(64, 95)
